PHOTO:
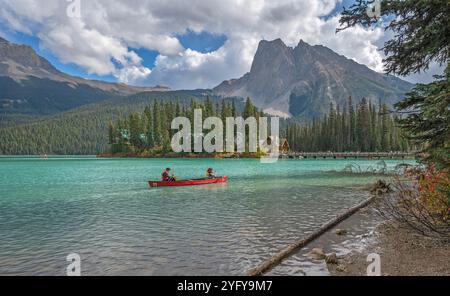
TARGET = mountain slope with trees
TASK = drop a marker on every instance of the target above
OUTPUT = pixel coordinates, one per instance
(82, 131)
(30, 85)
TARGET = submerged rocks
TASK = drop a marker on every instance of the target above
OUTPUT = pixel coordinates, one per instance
(331, 259)
(341, 232)
(317, 254)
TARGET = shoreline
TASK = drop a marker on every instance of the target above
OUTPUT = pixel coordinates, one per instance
(329, 156)
(402, 252)
(177, 156)
(198, 156)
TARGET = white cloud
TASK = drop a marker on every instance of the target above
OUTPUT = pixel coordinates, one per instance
(428, 76)
(134, 74)
(100, 41)
(13, 22)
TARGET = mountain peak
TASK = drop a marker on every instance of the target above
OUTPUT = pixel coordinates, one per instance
(304, 80)
(274, 43)
(25, 56)
(271, 54)
(277, 41)
(47, 90)
(301, 43)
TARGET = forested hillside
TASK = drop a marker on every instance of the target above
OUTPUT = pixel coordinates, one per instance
(82, 131)
(87, 130)
(149, 132)
(35, 96)
(363, 127)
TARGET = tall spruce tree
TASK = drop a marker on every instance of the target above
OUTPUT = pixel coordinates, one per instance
(351, 125)
(363, 126)
(111, 133)
(249, 110)
(421, 36)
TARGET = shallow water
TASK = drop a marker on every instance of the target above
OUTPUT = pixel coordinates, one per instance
(103, 210)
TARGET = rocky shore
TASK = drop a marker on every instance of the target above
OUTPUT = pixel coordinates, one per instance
(344, 250)
(402, 252)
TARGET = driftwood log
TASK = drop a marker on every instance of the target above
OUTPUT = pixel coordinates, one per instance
(290, 250)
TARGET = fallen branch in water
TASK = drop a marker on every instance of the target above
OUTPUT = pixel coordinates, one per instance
(290, 250)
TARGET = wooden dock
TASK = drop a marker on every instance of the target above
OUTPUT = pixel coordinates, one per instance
(349, 155)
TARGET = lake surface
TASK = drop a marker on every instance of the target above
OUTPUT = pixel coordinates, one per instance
(103, 210)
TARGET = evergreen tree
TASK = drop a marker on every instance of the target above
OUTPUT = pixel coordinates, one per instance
(351, 125)
(249, 110)
(333, 132)
(208, 108)
(150, 127)
(234, 112)
(224, 111)
(421, 36)
(111, 133)
(385, 137)
(363, 126)
(178, 111)
(136, 130)
(157, 125)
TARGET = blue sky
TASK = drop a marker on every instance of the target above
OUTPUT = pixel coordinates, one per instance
(181, 44)
(203, 42)
(33, 41)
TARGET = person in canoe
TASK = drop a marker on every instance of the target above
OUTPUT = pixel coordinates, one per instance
(210, 173)
(166, 177)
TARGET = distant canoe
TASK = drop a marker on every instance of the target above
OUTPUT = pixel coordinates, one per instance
(196, 182)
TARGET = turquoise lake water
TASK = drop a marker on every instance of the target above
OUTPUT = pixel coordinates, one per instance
(103, 210)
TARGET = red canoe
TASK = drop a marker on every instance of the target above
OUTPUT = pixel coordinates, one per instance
(188, 182)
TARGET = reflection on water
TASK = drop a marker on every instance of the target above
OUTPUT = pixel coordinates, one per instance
(104, 211)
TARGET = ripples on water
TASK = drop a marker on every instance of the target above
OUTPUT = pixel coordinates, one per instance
(103, 210)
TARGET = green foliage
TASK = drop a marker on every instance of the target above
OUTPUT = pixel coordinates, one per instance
(69, 134)
(34, 96)
(428, 118)
(421, 202)
(422, 31)
(151, 131)
(422, 36)
(421, 28)
(82, 131)
(349, 130)
(250, 109)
